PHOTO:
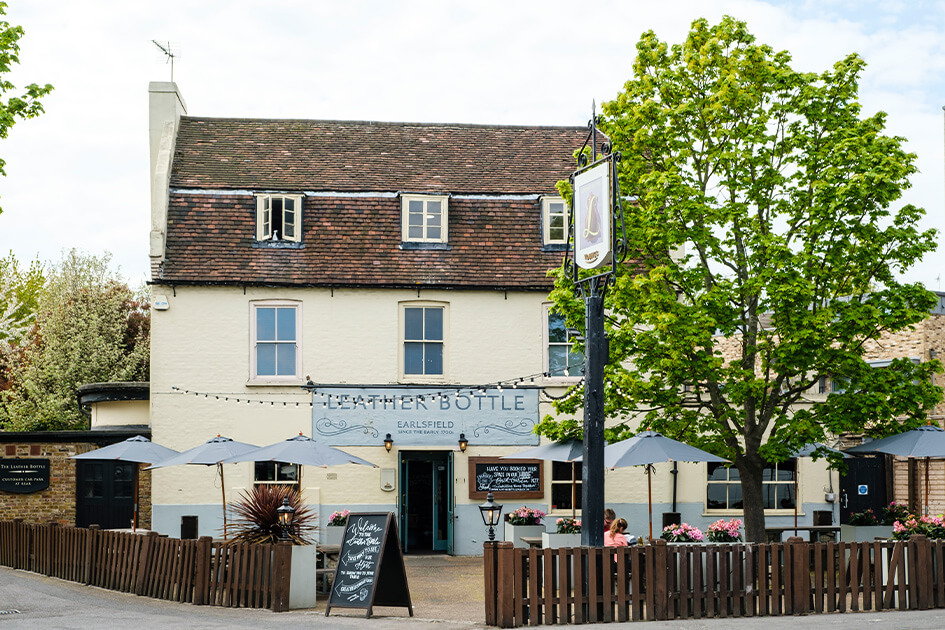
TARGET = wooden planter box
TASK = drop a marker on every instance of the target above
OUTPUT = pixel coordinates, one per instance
(864, 533)
(550, 540)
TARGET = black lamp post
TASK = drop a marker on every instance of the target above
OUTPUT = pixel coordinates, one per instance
(286, 516)
(491, 511)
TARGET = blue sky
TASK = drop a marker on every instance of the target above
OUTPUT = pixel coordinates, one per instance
(78, 175)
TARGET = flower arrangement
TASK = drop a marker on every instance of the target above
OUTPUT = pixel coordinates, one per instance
(929, 526)
(722, 531)
(895, 512)
(568, 526)
(866, 517)
(525, 516)
(339, 519)
(683, 532)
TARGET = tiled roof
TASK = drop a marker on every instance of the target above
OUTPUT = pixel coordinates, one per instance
(318, 155)
(356, 241)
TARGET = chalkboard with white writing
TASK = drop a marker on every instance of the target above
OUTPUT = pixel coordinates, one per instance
(370, 569)
(505, 478)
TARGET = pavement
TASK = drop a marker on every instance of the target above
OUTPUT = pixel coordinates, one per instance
(447, 594)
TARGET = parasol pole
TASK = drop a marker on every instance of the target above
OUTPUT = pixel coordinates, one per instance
(223, 490)
(649, 496)
(795, 497)
(926, 510)
(573, 492)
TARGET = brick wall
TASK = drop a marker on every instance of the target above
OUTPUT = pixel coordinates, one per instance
(57, 502)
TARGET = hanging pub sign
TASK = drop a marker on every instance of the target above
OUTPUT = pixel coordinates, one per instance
(24, 476)
(370, 569)
(592, 217)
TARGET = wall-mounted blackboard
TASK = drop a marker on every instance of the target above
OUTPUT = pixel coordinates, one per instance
(370, 566)
(24, 476)
(506, 478)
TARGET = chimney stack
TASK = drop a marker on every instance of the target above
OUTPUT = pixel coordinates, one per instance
(166, 106)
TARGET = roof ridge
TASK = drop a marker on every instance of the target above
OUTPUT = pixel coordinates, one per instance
(386, 123)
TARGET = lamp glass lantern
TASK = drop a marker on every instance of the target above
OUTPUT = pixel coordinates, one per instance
(463, 442)
(490, 511)
(286, 515)
(388, 442)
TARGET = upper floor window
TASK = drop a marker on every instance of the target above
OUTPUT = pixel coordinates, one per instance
(561, 359)
(275, 339)
(279, 218)
(424, 218)
(554, 221)
(423, 329)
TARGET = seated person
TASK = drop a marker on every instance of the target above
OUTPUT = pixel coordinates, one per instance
(615, 536)
(609, 516)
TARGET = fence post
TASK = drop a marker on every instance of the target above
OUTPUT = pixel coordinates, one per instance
(490, 570)
(281, 574)
(144, 562)
(505, 580)
(659, 579)
(89, 553)
(202, 571)
(921, 574)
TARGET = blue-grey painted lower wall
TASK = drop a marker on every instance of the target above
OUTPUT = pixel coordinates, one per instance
(469, 533)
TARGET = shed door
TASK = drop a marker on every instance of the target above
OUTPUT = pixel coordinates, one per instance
(105, 493)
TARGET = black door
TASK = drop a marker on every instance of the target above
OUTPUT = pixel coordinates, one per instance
(105, 493)
(863, 487)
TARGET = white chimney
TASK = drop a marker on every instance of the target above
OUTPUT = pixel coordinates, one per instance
(166, 106)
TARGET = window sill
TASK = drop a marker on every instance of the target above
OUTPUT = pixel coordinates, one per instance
(554, 247)
(259, 382)
(416, 245)
(278, 245)
(561, 381)
(719, 513)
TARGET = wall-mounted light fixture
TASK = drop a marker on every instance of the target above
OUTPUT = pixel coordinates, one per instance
(463, 442)
(388, 442)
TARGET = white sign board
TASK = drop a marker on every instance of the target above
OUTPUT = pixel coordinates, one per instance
(592, 217)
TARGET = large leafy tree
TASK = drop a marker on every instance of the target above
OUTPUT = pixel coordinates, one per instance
(768, 253)
(15, 105)
(90, 327)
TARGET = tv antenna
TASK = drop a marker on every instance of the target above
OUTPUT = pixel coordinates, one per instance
(167, 50)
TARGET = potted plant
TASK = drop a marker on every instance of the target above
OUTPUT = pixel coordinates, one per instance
(682, 533)
(335, 528)
(864, 527)
(567, 534)
(524, 521)
(722, 531)
(928, 526)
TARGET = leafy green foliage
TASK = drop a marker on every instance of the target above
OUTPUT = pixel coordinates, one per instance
(19, 295)
(89, 328)
(256, 515)
(768, 255)
(26, 104)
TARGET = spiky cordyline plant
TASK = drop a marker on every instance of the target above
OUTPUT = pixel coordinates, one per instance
(256, 516)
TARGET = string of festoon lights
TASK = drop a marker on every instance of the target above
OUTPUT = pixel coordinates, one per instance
(327, 398)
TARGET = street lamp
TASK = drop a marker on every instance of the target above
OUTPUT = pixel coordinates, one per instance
(286, 515)
(490, 511)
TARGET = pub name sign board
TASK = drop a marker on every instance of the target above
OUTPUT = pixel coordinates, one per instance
(24, 476)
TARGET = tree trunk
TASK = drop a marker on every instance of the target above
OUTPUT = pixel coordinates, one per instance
(750, 468)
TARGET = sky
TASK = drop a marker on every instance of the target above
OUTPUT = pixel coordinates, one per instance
(77, 176)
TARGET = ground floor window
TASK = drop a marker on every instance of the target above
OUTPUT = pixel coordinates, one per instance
(564, 494)
(724, 489)
(276, 473)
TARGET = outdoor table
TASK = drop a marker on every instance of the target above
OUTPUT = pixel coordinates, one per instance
(531, 541)
(774, 534)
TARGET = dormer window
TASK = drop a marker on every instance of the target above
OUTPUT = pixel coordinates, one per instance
(554, 221)
(279, 218)
(424, 218)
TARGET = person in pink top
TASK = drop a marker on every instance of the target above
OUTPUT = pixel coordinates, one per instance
(615, 537)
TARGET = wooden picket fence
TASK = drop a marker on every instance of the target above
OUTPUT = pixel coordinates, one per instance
(660, 581)
(195, 571)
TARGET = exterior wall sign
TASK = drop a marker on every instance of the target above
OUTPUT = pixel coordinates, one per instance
(364, 416)
(24, 476)
(505, 478)
(592, 217)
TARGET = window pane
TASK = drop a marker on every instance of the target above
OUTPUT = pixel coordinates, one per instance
(433, 233)
(433, 220)
(561, 471)
(716, 498)
(717, 472)
(575, 362)
(413, 358)
(285, 324)
(561, 496)
(413, 323)
(557, 360)
(557, 331)
(415, 231)
(266, 359)
(433, 330)
(415, 219)
(415, 207)
(434, 211)
(265, 324)
(265, 471)
(285, 354)
(286, 472)
(433, 358)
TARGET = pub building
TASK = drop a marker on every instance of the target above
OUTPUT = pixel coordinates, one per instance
(381, 287)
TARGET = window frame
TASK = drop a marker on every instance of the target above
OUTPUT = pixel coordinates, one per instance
(553, 508)
(405, 200)
(276, 482)
(546, 344)
(793, 483)
(546, 214)
(274, 379)
(264, 217)
(402, 342)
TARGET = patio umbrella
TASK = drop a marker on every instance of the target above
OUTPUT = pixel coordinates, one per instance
(809, 450)
(212, 452)
(924, 442)
(137, 449)
(648, 448)
(301, 450)
(566, 451)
